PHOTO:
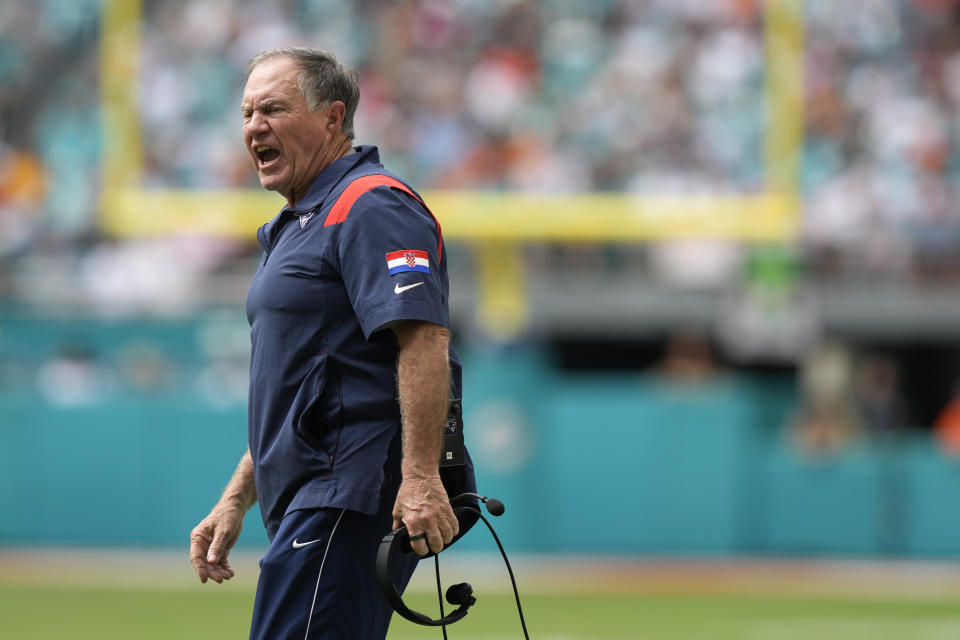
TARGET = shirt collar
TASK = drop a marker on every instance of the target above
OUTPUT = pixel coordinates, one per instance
(327, 179)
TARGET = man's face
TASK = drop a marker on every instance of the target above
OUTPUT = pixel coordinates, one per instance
(286, 141)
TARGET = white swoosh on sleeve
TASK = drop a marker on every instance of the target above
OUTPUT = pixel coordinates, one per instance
(398, 289)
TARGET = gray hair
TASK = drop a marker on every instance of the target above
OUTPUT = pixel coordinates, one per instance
(323, 79)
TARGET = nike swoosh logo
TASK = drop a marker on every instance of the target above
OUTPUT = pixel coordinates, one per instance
(398, 289)
(300, 545)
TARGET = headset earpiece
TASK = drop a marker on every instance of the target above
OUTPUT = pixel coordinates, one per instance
(461, 593)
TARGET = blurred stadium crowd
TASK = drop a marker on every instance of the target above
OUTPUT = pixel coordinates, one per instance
(634, 96)
(625, 95)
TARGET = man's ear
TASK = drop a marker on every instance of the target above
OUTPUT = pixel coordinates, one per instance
(336, 112)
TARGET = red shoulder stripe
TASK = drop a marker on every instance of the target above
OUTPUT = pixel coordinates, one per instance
(341, 208)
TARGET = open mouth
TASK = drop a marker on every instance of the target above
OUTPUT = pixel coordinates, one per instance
(266, 155)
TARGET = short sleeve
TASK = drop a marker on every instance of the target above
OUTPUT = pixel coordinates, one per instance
(389, 253)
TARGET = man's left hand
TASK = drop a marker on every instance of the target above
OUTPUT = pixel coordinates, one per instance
(423, 506)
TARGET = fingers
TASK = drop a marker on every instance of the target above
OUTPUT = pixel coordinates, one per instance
(397, 515)
(216, 571)
(446, 529)
(434, 538)
(198, 553)
(423, 506)
(210, 543)
(449, 527)
(424, 543)
(429, 532)
(216, 547)
(419, 545)
(220, 572)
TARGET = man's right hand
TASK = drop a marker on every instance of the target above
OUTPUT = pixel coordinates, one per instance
(211, 541)
(423, 506)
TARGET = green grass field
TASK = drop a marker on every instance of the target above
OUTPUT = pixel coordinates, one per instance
(714, 606)
(57, 612)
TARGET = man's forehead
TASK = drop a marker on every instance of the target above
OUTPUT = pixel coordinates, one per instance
(272, 77)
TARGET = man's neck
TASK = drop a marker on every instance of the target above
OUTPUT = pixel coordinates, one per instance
(340, 150)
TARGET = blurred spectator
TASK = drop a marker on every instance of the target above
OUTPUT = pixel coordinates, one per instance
(688, 359)
(144, 368)
(74, 377)
(946, 428)
(772, 316)
(826, 420)
(22, 191)
(224, 342)
(879, 402)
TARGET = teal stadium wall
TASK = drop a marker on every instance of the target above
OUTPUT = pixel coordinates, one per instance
(586, 463)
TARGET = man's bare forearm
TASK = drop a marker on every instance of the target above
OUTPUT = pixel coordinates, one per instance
(241, 490)
(423, 382)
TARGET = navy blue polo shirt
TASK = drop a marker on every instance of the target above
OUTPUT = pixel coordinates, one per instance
(357, 254)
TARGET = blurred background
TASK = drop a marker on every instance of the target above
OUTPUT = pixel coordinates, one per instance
(704, 262)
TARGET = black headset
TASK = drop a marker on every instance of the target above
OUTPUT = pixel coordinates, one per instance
(467, 511)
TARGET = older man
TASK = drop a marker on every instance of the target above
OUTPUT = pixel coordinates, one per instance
(351, 374)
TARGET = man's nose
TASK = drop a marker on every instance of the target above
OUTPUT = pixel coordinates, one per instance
(257, 123)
